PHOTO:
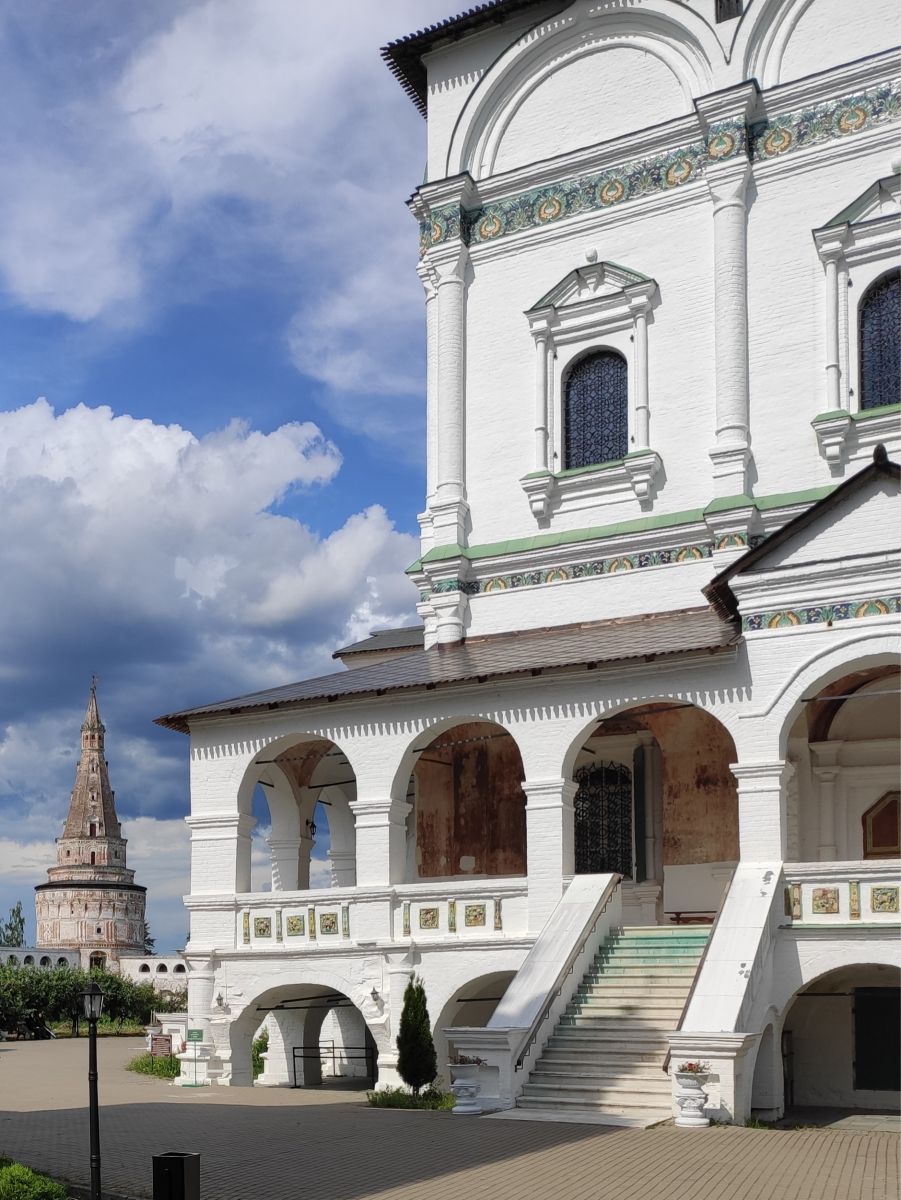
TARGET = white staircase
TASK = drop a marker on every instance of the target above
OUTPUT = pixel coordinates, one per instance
(607, 1052)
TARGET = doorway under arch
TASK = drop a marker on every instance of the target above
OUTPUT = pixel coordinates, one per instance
(472, 1006)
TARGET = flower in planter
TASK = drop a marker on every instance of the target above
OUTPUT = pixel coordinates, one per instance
(463, 1060)
(693, 1068)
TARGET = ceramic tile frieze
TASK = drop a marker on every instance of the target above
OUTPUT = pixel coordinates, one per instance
(577, 570)
(474, 915)
(884, 899)
(791, 131)
(345, 921)
(295, 925)
(793, 901)
(854, 899)
(762, 141)
(328, 924)
(245, 927)
(452, 916)
(428, 918)
(847, 610)
(262, 927)
(498, 915)
(278, 925)
(311, 914)
(406, 918)
(825, 901)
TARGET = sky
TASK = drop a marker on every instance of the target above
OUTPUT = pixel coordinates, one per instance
(211, 386)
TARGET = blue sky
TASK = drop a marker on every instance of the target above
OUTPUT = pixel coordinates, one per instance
(211, 383)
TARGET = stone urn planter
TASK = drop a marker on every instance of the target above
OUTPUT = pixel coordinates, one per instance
(691, 1099)
(466, 1087)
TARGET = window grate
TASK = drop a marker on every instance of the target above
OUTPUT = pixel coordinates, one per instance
(880, 347)
(596, 419)
(603, 819)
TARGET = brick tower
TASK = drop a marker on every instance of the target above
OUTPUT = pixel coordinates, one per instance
(91, 902)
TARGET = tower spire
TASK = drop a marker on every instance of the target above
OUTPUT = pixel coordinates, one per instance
(92, 808)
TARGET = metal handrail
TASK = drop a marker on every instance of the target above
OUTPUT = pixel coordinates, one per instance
(701, 961)
(567, 969)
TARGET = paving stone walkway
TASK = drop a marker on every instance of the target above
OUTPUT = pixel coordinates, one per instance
(263, 1144)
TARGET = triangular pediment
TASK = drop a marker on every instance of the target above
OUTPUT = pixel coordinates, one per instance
(853, 535)
(881, 199)
(593, 281)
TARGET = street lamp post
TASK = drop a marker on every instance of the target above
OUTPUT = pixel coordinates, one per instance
(92, 998)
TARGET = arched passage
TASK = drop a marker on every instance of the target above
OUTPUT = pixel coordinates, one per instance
(471, 1005)
(468, 814)
(315, 1034)
(302, 789)
(845, 747)
(656, 802)
(841, 1040)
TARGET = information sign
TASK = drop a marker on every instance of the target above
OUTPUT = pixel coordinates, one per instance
(195, 1035)
(161, 1045)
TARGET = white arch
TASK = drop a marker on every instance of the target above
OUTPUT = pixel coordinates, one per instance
(683, 42)
(870, 648)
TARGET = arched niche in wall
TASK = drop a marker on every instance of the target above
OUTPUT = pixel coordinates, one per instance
(781, 41)
(629, 69)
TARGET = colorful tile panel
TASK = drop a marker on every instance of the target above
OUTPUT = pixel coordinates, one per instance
(884, 899)
(821, 614)
(825, 901)
(328, 924)
(452, 916)
(854, 900)
(311, 915)
(498, 916)
(428, 918)
(278, 926)
(474, 915)
(345, 921)
(296, 925)
(765, 140)
(262, 927)
(406, 918)
(245, 927)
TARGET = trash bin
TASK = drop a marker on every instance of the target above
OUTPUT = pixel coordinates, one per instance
(176, 1176)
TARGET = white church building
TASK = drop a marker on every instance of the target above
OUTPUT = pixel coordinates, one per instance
(629, 795)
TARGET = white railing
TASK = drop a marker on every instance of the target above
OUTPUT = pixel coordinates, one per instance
(456, 910)
(842, 893)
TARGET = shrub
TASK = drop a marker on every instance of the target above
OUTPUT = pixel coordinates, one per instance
(162, 1068)
(416, 1061)
(431, 1098)
(259, 1048)
(21, 1183)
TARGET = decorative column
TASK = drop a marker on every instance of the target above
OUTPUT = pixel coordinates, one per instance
(728, 185)
(724, 117)
(833, 424)
(826, 771)
(449, 507)
(550, 847)
(762, 810)
(285, 855)
(541, 401)
(429, 282)
(642, 464)
(642, 411)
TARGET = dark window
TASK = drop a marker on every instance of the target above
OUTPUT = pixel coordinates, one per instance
(93, 831)
(877, 1044)
(596, 417)
(726, 10)
(603, 819)
(880, 347)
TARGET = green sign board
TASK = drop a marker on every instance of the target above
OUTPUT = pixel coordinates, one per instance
(195, 1035)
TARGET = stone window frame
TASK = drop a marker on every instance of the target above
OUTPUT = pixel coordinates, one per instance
(854, 254)
(600, 306)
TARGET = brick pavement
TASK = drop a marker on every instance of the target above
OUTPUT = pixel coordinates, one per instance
(327, 1145)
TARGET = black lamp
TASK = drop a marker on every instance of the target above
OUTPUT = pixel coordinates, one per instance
(92, 999)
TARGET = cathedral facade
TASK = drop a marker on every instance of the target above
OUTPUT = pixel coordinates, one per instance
(91, 902)
(629, 793)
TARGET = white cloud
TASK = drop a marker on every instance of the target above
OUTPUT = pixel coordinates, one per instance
(268, 130)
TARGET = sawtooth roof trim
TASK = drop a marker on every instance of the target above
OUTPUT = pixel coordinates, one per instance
(404, 56)
(527, 652)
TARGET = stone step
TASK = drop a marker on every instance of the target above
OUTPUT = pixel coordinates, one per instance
(648, 971)
(603, 1070)
(638, 1035)
(580, 1106)
(625, 1060)
(655, 993)
(641, 953)
(701, 931)
(632, 1096)
(697, 943)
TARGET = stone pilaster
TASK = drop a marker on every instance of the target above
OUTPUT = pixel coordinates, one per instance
(550, 852)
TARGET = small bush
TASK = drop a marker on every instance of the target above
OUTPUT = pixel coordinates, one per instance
(259, 1048)
(162, 1068)
(397, 1097)
(21, 1183)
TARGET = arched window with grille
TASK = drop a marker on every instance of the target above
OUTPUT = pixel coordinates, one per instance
(880, 349)
(596, 411)
(603, 820)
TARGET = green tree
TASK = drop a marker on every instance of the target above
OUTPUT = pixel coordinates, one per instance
(12, 932)
(416, 1061)
(149, 942)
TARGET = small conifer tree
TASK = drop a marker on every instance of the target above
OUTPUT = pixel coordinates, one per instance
(416, 1061)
